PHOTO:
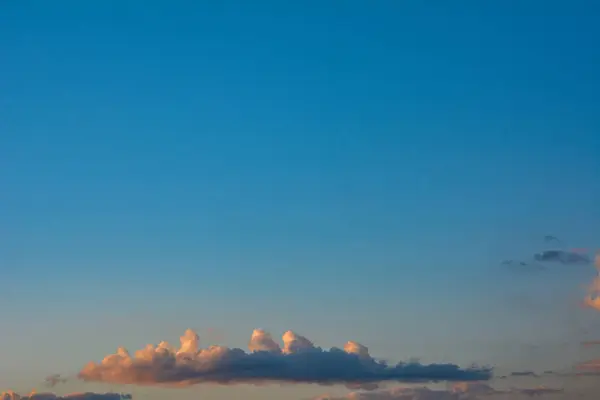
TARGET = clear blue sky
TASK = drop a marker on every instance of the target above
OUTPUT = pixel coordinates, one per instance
(349, 170)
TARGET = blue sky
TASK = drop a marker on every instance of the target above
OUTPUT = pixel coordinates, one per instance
(349, 171)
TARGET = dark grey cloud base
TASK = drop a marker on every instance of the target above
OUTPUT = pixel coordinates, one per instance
(562, 256)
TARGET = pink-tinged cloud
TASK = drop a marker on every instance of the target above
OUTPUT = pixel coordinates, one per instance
(73, 396)
(592, 299)
(589, 367)
(297, 361)
(580, 250)
(460, 391)
(590, 343)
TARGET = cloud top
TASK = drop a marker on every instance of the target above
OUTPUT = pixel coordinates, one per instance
(297, 361)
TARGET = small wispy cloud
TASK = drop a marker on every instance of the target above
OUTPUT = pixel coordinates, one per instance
(54, 380)
(588, 343)
(297, 361)
(552, 238)
(525, 373)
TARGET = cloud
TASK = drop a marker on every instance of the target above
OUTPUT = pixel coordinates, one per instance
(551, 238)
(525, 373)
(591, 367)
(73, 396)
(522, 266)
(298, 361)
(590, 343)
(562, 256)
(592, 299)
(539, 391)
(460, 391)
(54, 380)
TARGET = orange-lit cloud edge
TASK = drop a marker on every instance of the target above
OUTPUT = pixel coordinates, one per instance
(592, 300)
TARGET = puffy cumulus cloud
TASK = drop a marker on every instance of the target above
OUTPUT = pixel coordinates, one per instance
(297, 361)
(263, 341)
(460, 391)
(73, 396)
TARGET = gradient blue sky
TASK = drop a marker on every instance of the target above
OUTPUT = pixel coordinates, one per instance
(346, 169)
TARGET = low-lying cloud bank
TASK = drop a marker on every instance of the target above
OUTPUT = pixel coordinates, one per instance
(73, 396)
(298, 361)
(461, 391)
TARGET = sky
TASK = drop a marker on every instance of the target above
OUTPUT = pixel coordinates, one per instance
(347, 170)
